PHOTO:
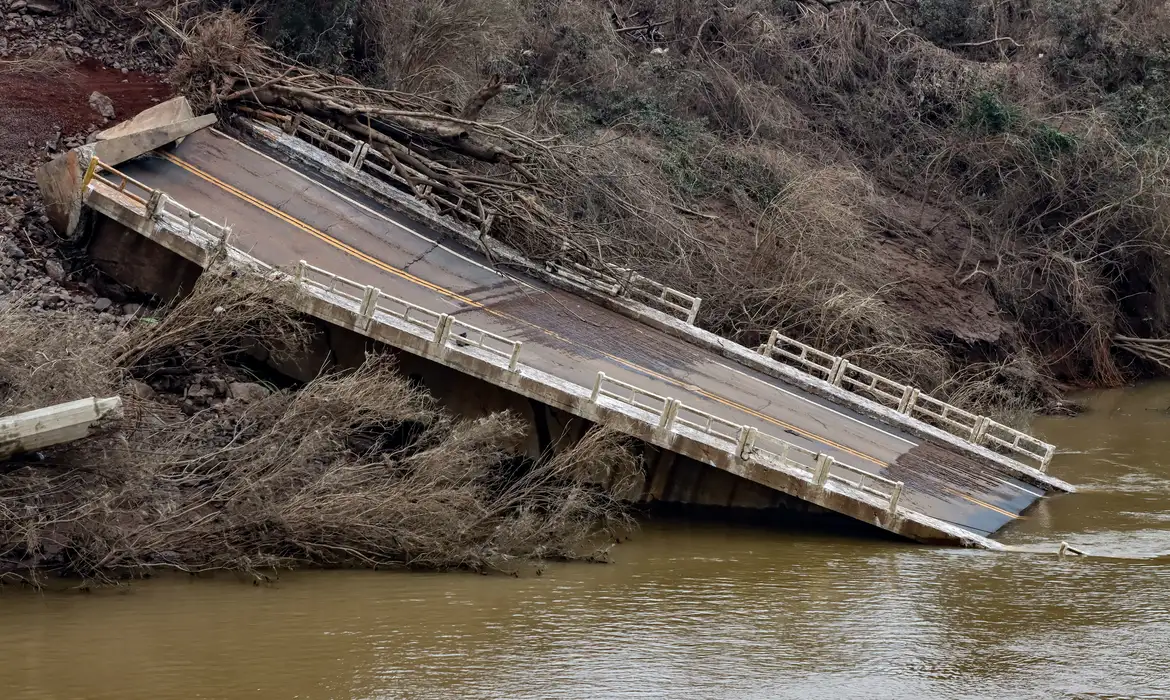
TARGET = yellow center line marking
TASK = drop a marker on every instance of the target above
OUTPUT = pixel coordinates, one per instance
(356, 253)
(976, 501)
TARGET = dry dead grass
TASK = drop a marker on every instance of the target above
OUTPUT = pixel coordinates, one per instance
(352, 470)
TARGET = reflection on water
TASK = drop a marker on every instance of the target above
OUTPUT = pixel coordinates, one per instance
(685, 611)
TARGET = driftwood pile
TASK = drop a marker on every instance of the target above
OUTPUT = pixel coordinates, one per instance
(488, 175)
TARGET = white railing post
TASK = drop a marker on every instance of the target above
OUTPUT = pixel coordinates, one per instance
(767, 348)
(227, 234)
(837, 372)
(666, 418)
(597, 387)
(155, 203)
(359, 155)
(979, 429)
(895, 497)
(745, 443)
(443, 330)
(824, 463)
(369, 303)
(909, 400)
(514, 360)
(1049, 451)
(299, 273)
(694, 311)
(907, 392)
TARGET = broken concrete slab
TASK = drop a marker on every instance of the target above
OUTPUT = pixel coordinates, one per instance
(60, 180)
(174, 110)
(53, 425)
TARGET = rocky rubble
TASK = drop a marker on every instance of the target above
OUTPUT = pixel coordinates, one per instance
(32, 26)
(40, 273)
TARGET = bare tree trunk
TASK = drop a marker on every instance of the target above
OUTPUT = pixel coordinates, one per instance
(479, 100)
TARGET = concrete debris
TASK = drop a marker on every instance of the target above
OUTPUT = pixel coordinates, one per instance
(102, 105)
(53, 425)
(102, 304)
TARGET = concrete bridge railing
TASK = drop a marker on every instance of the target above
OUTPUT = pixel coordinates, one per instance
(612, 279)
(979, 430)
(443, 333)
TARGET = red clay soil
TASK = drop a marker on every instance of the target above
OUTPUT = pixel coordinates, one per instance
(33, 107)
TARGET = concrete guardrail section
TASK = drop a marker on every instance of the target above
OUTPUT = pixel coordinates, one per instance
(613, 279)
(908, 400)
(660, 420)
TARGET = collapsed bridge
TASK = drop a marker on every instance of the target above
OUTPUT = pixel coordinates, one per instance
(783, 426)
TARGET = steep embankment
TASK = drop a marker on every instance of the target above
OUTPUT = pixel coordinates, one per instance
(969, 194)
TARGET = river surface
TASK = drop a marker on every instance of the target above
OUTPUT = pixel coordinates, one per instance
(699, 611)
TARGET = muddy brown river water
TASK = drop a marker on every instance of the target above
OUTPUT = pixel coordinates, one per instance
(699, 611)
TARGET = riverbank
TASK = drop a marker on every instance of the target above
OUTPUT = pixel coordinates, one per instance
(684, 610)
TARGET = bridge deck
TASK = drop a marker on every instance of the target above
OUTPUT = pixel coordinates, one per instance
(281, 215)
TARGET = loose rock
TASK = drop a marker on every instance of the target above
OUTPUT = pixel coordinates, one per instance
(102, 105)
(247, 391)
(55, 271)
(140, 389)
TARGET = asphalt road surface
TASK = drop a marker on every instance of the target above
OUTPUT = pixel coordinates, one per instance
(282, 215)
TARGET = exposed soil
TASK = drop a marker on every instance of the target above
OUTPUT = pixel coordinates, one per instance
(37, 107)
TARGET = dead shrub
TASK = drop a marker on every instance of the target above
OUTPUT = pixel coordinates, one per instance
(49, 62)
(413, 40)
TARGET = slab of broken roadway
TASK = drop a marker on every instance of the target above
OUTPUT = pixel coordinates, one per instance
(281, 215)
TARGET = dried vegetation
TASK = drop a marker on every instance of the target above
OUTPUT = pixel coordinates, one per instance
(353, 470)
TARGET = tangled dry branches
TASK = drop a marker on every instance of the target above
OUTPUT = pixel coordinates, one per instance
(493, 177)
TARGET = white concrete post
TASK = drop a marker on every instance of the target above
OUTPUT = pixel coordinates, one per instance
(1047, 459)
(155, 203)
(767, 348)
(694, 311)
(979, 429)
(669, 410)
(227, 234)
(53, 425)
(895, 497)
(358, 156)
(824, 463)
(514, 360)
(909, 399)
(299, 273)
(369, 302)
(443, 331)
(840, 365)
(597, 387)
(745, 443)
